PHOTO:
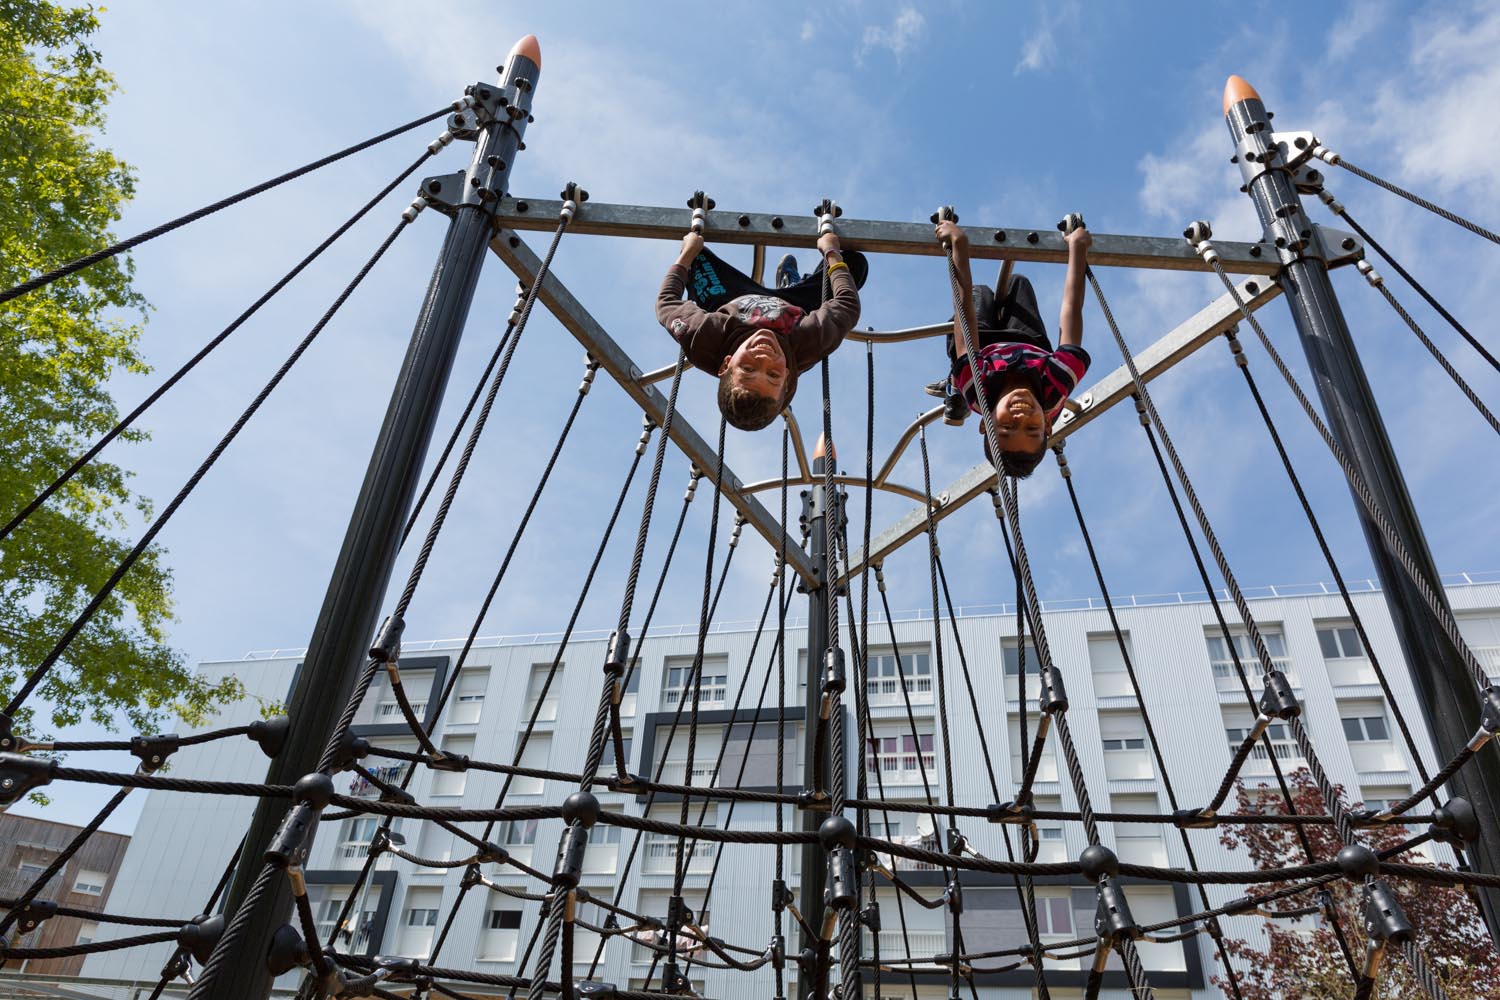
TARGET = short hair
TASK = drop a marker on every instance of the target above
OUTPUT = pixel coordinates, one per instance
(1017, 464)
(746, 410)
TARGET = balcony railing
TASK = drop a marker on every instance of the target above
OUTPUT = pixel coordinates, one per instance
(899, 863)
(887, 690)
(675, 772)
(1226, 679)
(902, 768)
(1259, 761)
(709, 696)
(661, 855)
(924, 944)
(390, 711)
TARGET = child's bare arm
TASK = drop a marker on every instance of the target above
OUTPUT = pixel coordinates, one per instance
(949, 235)
(1070, 320)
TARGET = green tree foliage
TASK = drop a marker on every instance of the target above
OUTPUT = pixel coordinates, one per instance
(1301, 958)
(60, 191)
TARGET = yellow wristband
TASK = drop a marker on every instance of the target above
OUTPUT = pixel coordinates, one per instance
(836, 265)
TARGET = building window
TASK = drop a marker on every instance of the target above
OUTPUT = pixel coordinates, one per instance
(1222, 659)
(1138, 843)
(472, 684)
(661, 850)
(544, 706)
(453, 782)
(88, 932)
(419, 922)
(502, 929)
(1339, 642)
(90, 883)
(1281, 744)
(1111, 680)
(1011, 654)
(1482, 633)
(907, 831)
(535, 756)
(1047, 765)
(901, 759)
(421, 917)
(608, 760)
(1383, 797)
(1123, 736)
(885, 676)
(387, 710)
(356, 935)
(30, 871)
(354, 844)
(672, 755)
(1365, 729)
(1054, 914)
(603, 851)
(677, 681)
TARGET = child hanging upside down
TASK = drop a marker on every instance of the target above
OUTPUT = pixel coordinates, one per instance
(757, 344)
(1025, 380)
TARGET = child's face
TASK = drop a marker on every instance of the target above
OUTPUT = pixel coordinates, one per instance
(758, 365)
(1020, 421)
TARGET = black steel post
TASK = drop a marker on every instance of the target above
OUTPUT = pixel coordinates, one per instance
(341, 638)
(816, 758)
(1444, 686)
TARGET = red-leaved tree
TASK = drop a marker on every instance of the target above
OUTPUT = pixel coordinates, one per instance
(1302, 959)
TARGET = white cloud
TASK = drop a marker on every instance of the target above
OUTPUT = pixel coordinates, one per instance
(903, 32)
(808, 31)
(1039, 50)
(1361, 20)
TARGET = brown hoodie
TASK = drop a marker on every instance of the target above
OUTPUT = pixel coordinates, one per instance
(710, 337)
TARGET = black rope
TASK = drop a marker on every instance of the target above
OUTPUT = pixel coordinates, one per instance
(1452, 217)
(129, 419)
(234, 199)
(161, 520)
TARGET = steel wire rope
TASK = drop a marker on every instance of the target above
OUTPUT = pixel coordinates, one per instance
(1135, 686)
(530, 726)
(126, 421)
(1362, 492)
(515, 327)
(103, 593)
(1337, 160)
(1338, 209)
(1125, 946)
(778, 904)
(89, 260)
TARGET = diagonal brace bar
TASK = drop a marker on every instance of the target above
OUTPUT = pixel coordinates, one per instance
(521, 259)
(1217, 317)
(799, 231)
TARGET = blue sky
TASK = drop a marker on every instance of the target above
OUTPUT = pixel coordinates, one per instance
(1016, 113)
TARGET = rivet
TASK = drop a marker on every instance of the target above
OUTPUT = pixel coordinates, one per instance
(1255, 250)
(776, 222)
(999, 236)
(744, 220)
(1252, 287)
(1032, 237)
(521, 206)
(1348, 243)
(434, 186)
(514, 241)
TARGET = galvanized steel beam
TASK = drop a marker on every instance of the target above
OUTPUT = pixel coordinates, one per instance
(801, 231)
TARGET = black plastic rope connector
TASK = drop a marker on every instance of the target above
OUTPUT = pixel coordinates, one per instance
(1385, 920)
(618, 657)
(387, 645)
(956, 841)
(945, 213)
(842, 892)
(1489, 710)
(34, 914)
(1053, 697)
(1195, 819)
(597, 990)
(1016, 812)
(870, 917)
(570, 851)
(8, 741)
(270, 734)
(1244, 904)
(953, 895)
(198, 936)
(1357, 862)
(153, 751)
(472, 876)
(490, 854)
(1098, 862)
(628, 783)
(781, 896)
(290, 844)
(287, 951)
(1112, 918)
(446, 761)
(574, 193)
(834, 679)
(350, 749)
(1454, 823)
(814, 800)
(20, 774)
(1276, 699)
(383, 840)
(394, 793)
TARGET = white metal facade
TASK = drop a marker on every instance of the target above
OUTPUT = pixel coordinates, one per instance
(183, 841)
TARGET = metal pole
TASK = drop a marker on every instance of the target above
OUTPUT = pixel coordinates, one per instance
(341, 638)
(816, 760)
(1444, 687)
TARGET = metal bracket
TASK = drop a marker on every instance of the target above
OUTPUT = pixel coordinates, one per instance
(1293, 148)
(444, 192)
(1072, 408)
(1336, 246)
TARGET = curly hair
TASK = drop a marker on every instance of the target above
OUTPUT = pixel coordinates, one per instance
(746, 410)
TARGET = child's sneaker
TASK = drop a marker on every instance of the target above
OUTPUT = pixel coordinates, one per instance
(955, 407)
(786, 272)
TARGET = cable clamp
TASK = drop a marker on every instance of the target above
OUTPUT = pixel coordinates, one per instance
(597, 990)
(1277, 699)
(1195, 819)
(387, 646)
(1327, 198)
(1371, 275)
(1454, 823)
(1015, 813)
(153, 751)
(1113, 921)
(20, 774)
(647, 428)
(834, 679)
(34, 914)
(618, 656)
(310, 795)
(879, 576)
(1326, 155)
(441, 142)
(1053, 697)
(826, 211)
(445, 760)
(1385, 921)
(701, 204)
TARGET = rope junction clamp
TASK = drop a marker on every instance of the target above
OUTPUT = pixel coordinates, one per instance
(827, 210)
(701, 204)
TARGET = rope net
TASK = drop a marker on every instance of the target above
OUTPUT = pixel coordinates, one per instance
(864, 928)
